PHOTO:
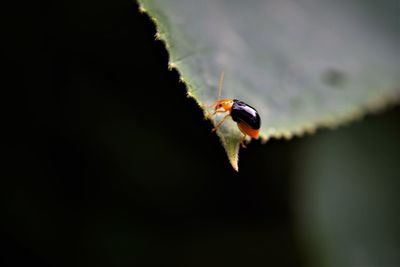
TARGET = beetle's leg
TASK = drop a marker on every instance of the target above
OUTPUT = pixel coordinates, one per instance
(242, 142)
(220, 123)
(209, 114)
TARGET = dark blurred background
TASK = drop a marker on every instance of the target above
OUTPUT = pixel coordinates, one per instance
(108, 163)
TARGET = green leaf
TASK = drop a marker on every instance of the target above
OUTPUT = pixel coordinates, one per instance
(303, 64)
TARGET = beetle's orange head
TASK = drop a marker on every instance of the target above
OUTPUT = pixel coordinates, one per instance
(223, 105)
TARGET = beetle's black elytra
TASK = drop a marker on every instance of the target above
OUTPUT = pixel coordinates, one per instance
(243, 113)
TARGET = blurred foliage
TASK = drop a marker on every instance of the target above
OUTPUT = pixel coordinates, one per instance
(347, 190)
(98, 172)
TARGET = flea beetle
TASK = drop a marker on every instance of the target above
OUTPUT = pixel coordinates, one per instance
(247, 118)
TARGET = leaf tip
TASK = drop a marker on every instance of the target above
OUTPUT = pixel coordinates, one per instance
(232, 150)
(234, 159)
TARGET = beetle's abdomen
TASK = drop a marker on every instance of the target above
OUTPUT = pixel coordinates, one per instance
(248, 130)
(245, 114)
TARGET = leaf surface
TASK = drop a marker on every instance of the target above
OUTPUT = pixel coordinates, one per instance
(302, 64)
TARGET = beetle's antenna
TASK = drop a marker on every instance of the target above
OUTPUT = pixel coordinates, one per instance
(221, 80)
